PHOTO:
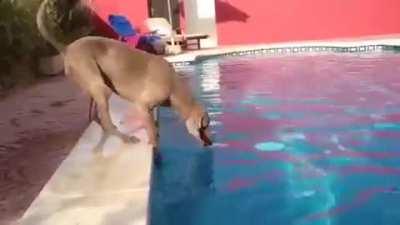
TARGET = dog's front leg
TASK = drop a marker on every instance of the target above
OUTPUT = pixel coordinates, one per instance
(150, 126)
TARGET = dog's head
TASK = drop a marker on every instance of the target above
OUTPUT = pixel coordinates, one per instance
(197, 124)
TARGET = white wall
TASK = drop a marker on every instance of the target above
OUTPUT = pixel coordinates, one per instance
(200, 18)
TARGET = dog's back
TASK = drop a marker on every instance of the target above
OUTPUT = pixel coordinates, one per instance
(135, 74)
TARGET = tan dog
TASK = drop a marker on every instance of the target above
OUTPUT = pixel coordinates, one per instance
(101, 66)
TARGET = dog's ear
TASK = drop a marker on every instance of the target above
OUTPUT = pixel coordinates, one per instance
(205, 121)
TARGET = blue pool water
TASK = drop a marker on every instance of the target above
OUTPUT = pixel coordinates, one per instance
(299, 140)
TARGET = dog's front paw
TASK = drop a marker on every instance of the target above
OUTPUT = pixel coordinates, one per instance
(157, 159)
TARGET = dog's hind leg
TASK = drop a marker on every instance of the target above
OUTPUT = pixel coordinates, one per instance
(88, 76)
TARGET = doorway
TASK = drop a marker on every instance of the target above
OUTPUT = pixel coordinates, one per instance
(159, 8)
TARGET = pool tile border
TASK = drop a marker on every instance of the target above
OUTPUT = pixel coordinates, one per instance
(291, 50)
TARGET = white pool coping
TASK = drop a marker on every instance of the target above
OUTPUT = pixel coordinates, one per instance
(98, 188)
(113, 187)
(192, 56)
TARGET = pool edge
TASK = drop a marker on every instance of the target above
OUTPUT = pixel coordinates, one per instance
(333, 46)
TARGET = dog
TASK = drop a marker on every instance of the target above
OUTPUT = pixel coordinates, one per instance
(102, 66)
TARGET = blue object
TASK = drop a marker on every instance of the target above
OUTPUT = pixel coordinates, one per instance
(152, 38)
(121, 25)
(148, 40)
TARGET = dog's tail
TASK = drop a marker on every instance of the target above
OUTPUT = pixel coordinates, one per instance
(41, 24)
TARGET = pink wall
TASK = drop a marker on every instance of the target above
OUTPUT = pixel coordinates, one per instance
(263, 21)
(135, 10)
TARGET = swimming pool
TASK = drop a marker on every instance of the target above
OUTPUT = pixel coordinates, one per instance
(299, 140)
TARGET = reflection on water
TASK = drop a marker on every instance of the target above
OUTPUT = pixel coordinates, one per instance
(299, 140)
